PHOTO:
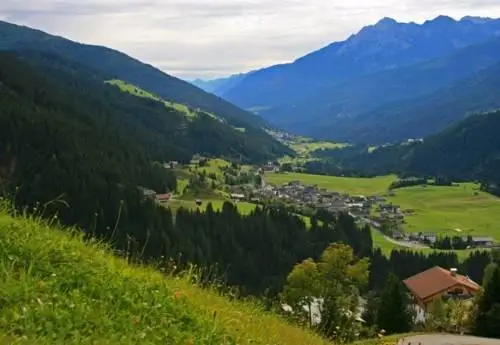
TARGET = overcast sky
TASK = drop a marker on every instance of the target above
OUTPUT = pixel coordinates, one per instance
(211, 38)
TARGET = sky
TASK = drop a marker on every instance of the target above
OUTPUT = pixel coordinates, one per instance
(213, 38)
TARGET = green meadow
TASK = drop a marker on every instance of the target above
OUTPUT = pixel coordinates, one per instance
(350, 185)
(457, 210)
(305, 148)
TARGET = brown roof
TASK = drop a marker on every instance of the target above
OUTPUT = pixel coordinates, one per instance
(162, 196)
(435, 280)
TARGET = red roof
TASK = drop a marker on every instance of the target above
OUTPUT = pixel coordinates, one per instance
(436, 280)
(162, 197)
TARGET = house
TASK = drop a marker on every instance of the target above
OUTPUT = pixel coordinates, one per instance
(163, 198)
(479, 241)
(236, 196)
(148, 193)
(436, 283)
(171, 165)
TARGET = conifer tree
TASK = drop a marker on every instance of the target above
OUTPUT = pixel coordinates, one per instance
(487, 320)
(394, 314)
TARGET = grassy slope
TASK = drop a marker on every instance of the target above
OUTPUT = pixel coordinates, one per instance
(444, 209)
(137, 91)
(58, 290)
(368, 186)
(305, 148)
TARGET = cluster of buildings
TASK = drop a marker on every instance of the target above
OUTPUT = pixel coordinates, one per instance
(162, 198)
(302, 196)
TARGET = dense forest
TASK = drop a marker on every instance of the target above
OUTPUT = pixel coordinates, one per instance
(118, 65)
(73, 147)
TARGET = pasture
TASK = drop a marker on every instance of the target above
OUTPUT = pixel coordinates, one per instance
(350, 185)
(456, 210)
(305, 148)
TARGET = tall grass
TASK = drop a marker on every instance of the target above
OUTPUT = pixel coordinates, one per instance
(56, 288)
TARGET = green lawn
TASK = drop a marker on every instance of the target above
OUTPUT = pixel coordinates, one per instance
(351, 185)
(457, 210)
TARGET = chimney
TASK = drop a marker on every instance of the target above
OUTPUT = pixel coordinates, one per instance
(453, 272)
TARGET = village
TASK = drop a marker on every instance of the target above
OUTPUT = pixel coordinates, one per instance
(373, 210)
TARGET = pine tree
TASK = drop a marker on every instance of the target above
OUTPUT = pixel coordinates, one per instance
(394, 315)
(487, 319)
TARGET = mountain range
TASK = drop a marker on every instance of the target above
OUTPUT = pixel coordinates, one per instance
(345, 90)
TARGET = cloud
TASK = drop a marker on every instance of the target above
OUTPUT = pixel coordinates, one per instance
(208, 38)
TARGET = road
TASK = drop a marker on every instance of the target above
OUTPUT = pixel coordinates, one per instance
(445, 339)
(406, 244)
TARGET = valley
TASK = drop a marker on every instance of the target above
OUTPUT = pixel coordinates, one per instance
(352, 194)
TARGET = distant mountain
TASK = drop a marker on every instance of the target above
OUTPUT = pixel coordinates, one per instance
(350, 100)
(121, 66)
(331, 82)
(424, 115)
(219, 86)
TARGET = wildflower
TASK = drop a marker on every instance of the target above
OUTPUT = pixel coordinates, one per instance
(178, 295)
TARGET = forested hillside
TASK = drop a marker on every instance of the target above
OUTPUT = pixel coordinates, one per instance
(468, 150)
(424, 115)
(77, 149)
(115, 64)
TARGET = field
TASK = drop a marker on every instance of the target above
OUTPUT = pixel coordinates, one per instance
(304, 147)
(307, 147)
(214, 166)
(59, 289)
(351, 185)
(457, 210)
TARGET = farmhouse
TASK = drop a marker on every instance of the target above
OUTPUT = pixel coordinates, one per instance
(148, 193)
(236, 196)
(436, 283)
(163, 198)
(479, 241)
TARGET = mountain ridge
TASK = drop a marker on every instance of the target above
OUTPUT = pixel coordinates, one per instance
(288, 93)
(119, 64)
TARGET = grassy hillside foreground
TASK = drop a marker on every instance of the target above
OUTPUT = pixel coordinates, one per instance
(56, 289)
